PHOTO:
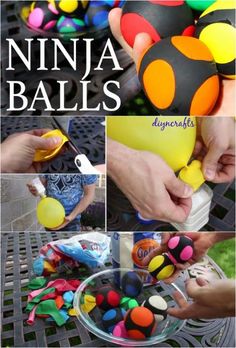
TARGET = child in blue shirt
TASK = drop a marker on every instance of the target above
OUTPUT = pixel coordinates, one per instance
(75, 192)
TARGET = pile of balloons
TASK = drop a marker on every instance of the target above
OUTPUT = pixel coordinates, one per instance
(180, 72)
(68, 16)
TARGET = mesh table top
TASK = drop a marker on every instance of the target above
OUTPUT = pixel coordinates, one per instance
(18, 252)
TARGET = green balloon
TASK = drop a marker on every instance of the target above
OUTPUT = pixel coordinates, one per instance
(128, 303)
(200, 5)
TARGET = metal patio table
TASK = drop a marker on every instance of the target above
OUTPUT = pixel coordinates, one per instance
(17, 253)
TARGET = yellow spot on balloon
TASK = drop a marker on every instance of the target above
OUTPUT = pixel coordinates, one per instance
(156, 262)
(68, 6)
(219, 5)
(220, 38)
(166, 272)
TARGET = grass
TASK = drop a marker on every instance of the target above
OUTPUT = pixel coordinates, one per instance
(223, 254)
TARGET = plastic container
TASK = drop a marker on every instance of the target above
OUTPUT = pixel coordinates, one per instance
(94, 32)
(92, 321)
(199, 215)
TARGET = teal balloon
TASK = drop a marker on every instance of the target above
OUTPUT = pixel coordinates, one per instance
(200, 5)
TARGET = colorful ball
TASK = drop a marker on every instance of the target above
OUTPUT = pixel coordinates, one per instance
(70, 8)
(160, 19)
(158, 306)
(161, 267)
(131, 284)
(112, 317)
(107, 298)
(199, 5)
(97, 14)
(216, 27)
(66, 25)
(42, 17)
(112, 3)
(128, 303)
(179, 76)
(180, 249)
(120, 330)
(140, 323)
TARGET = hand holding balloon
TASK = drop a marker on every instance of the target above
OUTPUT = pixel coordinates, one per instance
(224, 105)
(18, 151)
(149, 183)
(216, 148)
(202, 242)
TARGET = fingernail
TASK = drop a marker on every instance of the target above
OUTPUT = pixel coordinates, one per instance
(188, 191)
(56, 140)
(209, 174)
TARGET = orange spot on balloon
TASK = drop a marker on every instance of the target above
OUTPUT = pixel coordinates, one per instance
(205, 97)
(159, 83)
(136, 335)
(192, 48)
(142, 316)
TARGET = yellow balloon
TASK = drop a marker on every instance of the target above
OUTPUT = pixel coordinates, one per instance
(50, 212)
(172, 138)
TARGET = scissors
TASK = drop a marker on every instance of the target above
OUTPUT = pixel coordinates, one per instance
(81, 160)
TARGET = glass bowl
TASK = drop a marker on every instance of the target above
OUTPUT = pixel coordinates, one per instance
(95, 32)
(93, 323)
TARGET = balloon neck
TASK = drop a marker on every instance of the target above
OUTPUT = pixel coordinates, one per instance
(42, 195)
(192, 175)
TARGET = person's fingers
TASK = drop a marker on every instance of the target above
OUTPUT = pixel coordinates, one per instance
(39, 132)
(182, 266)
(210, 161)
(142, 42)
(165, 237)
(225, 103)
(114, 21)
(180, 211)
(226, 174)
(192, 288)
(172, 278)
(198, 148)
(152, 254)
(39, 143)
(178, 188)
(179, 299)
(201, 281)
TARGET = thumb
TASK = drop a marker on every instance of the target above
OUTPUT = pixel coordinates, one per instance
(192, 288)
(39, 143)
(142, 42)
(178, 188)
(210, 161)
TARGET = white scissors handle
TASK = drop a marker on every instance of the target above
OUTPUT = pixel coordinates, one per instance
(84, 165)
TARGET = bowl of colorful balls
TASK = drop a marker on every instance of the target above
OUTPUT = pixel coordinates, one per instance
(129, 308)
(67, 18)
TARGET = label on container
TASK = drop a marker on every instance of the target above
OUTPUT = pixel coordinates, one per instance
(129, 249)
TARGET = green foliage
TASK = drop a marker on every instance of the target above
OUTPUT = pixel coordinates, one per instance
(223, 254)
